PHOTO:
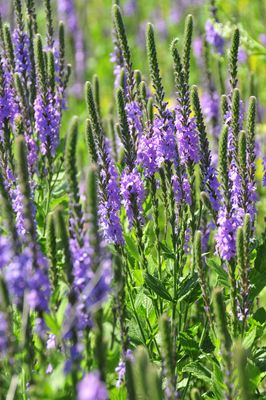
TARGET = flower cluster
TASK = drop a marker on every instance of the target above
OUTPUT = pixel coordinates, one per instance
(133, 193)
(213, 38)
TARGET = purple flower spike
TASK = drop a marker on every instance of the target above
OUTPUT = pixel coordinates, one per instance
(121, 369)
(21, 275)
(187, 139)
(91, 387)
(109, 206)
(213, 38)
(132, 188)
(47, 123)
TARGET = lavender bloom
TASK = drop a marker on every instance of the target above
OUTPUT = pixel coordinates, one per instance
(130, 8)
(213, 38)
(226, 233)
(21, 42)
(147, 154)
(49, 369)
(6, 252)
(21, 275)
(187, 139)
(187, 240)
(166, 142)
(197, 47)
(110, 205)
(133, 194)
(51, 342)
(134, 115)
(179, 191)
(121, 369)
(47, 122)
(3, 335)
(8, 106)
(242, 56)
(91, 387)
(210, 105)
(17, 202)
(211, 185)
(262, 39)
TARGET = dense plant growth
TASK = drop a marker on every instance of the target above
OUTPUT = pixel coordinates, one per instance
(143, 277)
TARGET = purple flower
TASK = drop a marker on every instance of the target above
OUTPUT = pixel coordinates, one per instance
(213, 38)
(147, 154)
(130, 8)
(262, 39)
(3, 335)
(166, 142)
(21, 274)
(121, 369)
(242, 56)
(51, 342)
(6, 252)
(21, 43)
(92, 278)
(187, 139)
(226, 233)
(210, 105)
(133, 193)
(181, 190)
(47, 122)
(134, 115)
(91, 387)
(49, 369)
(197, 47)
(109, 206)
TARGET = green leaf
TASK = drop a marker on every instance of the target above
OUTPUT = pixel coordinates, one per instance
(190, 346)
(254, 375)
(218, 383)
(132, 247)
(257, 282)
(260, 315)
(166, 252)
(259, 358)
(139, 299)
(220, 271)
(137, 274)
(51, 323)
(199, 371)
(260, 261)
(60, 315)
(249, 338)
(188, 286)
(157, 286)
(59, 200)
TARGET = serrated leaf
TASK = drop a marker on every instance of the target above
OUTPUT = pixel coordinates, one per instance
(157, 286)
(257, 282)
(190, 346)
(131, 245)
(139, 299)
(165, 251)
(249, 338)
(254, 375)
(137, 274)
(187, 287)
(199, 371)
